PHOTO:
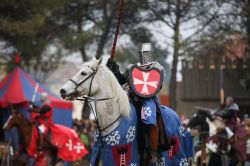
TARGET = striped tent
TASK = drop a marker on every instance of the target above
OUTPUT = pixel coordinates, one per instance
(19, 88)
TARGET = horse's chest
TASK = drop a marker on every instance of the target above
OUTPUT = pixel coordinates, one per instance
(118, 147)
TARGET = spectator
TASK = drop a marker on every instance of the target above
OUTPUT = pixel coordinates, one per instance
(84, 137)
(229, 101)
(85, 129)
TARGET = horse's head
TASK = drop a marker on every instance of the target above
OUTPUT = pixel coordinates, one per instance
(13, 120)
(201, 122)
(83, 83)
(200, 118)
(196, 120)
(97, 81)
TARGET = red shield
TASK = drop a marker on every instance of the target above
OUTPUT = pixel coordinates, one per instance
(145, 82)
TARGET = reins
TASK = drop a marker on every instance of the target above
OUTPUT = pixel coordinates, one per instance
(90, 99)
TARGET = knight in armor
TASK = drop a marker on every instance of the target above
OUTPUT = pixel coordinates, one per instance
(232, 108)
(230, 113)
(150, 133)
(42, 116)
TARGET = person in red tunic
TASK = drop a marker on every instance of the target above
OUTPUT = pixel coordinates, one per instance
(68, 144)
(45, 117)
(42, 116)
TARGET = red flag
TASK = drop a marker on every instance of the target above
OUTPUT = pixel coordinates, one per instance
(70, 147)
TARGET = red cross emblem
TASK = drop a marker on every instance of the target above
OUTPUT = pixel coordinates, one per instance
(145, 82)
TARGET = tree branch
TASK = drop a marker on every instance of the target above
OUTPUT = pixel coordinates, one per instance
(161, 18)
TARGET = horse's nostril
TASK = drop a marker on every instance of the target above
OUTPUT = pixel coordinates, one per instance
(63, 92)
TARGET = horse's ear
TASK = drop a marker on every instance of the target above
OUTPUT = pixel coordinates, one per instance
(93, 59)
(96, 62)
(99, 61)
(13, 111)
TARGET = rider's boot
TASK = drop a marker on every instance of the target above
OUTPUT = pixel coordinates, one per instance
(40, 142)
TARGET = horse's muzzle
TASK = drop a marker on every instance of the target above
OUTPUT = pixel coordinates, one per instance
(63, 93)
(68, 96)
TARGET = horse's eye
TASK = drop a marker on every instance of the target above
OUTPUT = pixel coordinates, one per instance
(83, 73)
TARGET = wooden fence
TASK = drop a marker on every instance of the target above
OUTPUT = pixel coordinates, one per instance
(203, 79)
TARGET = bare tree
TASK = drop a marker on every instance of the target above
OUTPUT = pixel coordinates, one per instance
(88, 26)
(175, 14)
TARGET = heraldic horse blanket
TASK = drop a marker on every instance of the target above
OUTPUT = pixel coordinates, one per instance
(115, 141)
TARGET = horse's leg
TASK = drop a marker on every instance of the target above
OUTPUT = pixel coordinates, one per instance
(197, 156)
(47, 146)
(224, 160)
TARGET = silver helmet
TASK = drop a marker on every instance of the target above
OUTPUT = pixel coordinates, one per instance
(145, 53)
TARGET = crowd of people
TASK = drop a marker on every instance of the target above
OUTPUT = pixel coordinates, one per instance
(85, 128)
(225, 131)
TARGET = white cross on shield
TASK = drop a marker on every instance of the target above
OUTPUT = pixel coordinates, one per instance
(145, 83)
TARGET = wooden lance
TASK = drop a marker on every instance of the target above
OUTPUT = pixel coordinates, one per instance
(117, 29)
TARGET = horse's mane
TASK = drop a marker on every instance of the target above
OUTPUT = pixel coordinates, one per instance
(120, 96)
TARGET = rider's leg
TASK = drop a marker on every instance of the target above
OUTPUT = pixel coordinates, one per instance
(153, 142)
(144, 145)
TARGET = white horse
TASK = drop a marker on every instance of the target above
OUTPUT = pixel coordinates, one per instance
(116, 118)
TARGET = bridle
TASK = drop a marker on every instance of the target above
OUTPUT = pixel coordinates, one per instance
(89, 99)
(92, 75)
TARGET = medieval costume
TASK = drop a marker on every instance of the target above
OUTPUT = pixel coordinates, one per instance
(144, 81)
(234, 132)
(42, 117)
(230, 115)
(65, 140)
